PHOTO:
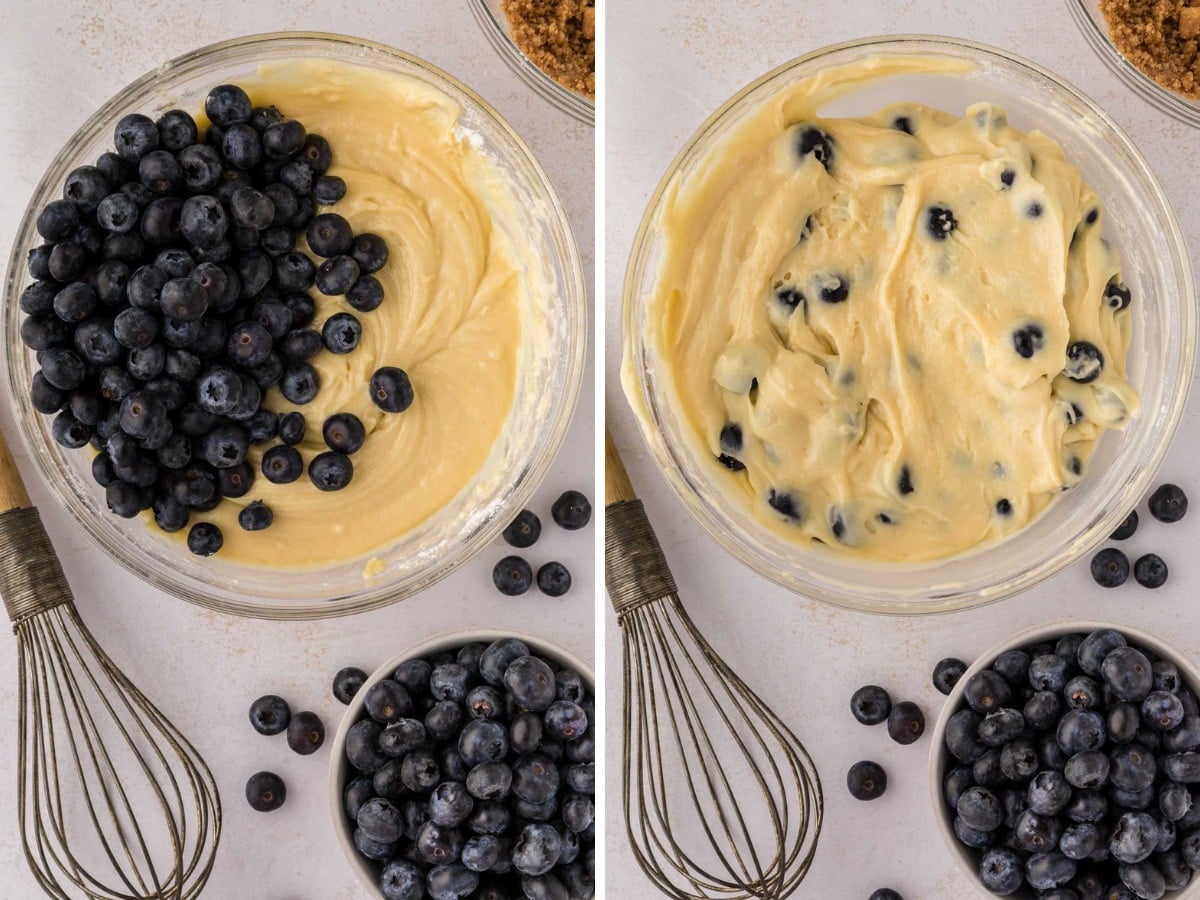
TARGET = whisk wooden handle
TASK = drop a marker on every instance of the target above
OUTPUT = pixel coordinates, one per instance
(617, 486)
(12, 489)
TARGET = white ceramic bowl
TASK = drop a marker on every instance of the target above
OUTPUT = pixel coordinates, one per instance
(339, 768)
(939, 756)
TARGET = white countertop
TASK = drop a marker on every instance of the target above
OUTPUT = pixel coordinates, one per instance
(62, 60)
(669, 65)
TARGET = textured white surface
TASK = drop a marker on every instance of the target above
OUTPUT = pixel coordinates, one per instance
(62, 60)
(669, 65)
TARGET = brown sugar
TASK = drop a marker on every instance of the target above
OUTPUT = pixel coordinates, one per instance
(1160, 37)
(559, 37)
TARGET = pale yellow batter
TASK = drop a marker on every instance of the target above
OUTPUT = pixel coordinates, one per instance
(451, 318)
(865, 323)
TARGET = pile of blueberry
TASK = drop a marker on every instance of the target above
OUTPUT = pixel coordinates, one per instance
(169, 297)
(270, 715)
(1110, 566)
(473, 775)
(513, 575)
(1073, 771)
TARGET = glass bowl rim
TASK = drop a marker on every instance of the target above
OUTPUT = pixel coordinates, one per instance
(374, 595)
(927, 603)
(436, 643)
(575, 105)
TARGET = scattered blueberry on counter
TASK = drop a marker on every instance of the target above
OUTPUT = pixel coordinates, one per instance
(524, 530)
(870, 704)
(265, 791)
(1074, 776)
(270, 715)
(885, 894)
(486, 793)
(305, 733)
(947, 673)
(572, 510)
(169, 298)
(1110, 567)
(866, 780)
(347, 682)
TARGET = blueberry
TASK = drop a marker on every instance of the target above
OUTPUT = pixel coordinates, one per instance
(204, 539)
(987, 690)
(512, 576)
(524, 530)
(183, 300)
(301, 344)
(1082, 692)
(402, 880)
(270, 714)
(810, 140)
(530, 683)
(449, 804)
(1034, 210)
(1162, 711)
(161, 220)
(282, 464)
(331, 471)
(565, 721)
(1150, 571)
(43, 332)
(1088, 769)
(1001, 726)
(305, 735)
(867, 781)
(75, 302)
(1036, 833)
(363, 746)
(236, 481)
(1132, 768)
(387, 701)
(496, 658)
(85, 187)
(369, 250)
(330, 235)
(961, 738)
(1168, 503)
(1095, 648)
(294, 272)
(1087, 806)
(283, 139)
(885, 893)
(344, 432)
(365, 294)
(265, 791)
(1046, 871)
(1110, 567)
(379, 820)
(1079, 730)
(1182, 767)
(940, 222)
(227, 104)
(571, 510)
(1134, 837)
(553, 579)
(328, 189)
(1116, 295)
(1042, 710)
(1049, 793)
(372, 849)
(1085, 362)
(70, 432)
(444, 719)
(414, 675)
(255, 516)
(159, 172)
(870, 704)
(341, 333)
(1048, 672)
(1128, 673)
(337, 275)
(906, 722)
(1079, 842)
(347, 682)
(66, 261)
(1019, 760)
(1028, 340)
(45, 397)
(484, 702)
(391, 389)
(1001, 870)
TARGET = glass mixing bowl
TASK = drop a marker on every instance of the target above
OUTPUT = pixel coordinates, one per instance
(548, 381)
(1091, 21)
(1155, 266)
(492, 19)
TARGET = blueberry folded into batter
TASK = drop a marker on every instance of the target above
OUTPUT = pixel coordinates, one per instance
(900, 335)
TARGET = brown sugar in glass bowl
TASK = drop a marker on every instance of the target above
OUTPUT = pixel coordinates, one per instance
(559, 37)
(1160, 37)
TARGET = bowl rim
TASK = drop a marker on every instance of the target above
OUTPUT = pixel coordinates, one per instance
(930, 602)
(938, 754)
(1164, 99)
(374, 593)
(435, 643)
(575, 105)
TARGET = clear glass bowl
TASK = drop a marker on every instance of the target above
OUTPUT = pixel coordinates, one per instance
(940, 761)
(491, 18)
(1091, 21)
(548, 380)
(1155, 266)
(339, 769)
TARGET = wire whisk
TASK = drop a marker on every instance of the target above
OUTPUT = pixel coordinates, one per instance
(113, 802)
(721, 800)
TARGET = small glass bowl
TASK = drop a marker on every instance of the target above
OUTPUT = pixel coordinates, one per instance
(1091, 21)
(939, 756)
(1155, 265)
(548, 380)
(492, 19)
(339, 767)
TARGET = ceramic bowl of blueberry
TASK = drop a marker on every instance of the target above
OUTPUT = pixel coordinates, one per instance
(465, 766)
(157, 294)
(1138, 221)
(1066, 763)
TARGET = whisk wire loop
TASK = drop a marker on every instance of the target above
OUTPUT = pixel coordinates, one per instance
(721, 800)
